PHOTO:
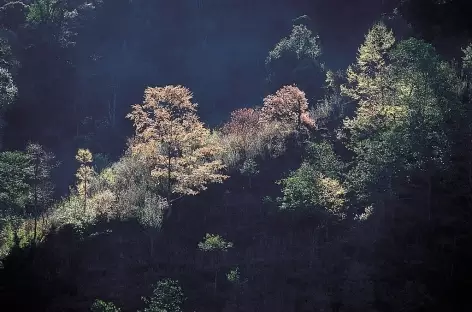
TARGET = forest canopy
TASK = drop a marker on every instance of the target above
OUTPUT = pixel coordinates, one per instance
(295, 185)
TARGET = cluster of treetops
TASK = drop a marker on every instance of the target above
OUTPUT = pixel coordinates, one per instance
(393, 124)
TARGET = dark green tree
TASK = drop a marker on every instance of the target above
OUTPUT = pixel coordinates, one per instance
(249, 169)
(215, 245)
(15, 174)
(8, 89)
(317, 185)
(103, 306)
(296, 60)
(42, 188)
(167, 296)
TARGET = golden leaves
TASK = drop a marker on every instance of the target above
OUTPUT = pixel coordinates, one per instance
(332, 195)
(172, 139)
(85, 172)
(84, 156)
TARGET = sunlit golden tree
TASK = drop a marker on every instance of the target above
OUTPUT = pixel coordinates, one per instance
(84, 174)
(172, 139)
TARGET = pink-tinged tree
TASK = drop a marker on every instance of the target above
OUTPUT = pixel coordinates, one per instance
(243, 128)
(243, 121)
(288, 106)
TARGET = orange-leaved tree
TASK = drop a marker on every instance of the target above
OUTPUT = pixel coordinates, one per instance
(288, 106)
(177, 145)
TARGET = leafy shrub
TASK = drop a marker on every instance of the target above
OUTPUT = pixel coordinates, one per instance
(166, 297)
(102, 306)
(212, 242)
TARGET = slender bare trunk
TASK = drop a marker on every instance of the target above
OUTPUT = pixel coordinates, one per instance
(151, 239)
(169, 158)
(313, 248)
(85, 195)
(169, 204)
(214, 284)
(35, 201)
(299, 116)
(429, 197)
(35, 214)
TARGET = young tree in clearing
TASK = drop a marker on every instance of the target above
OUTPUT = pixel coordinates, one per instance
(85, 173)
(288, 106)
(172, 139)
(249, 169)
(215, 245)
(166, 296)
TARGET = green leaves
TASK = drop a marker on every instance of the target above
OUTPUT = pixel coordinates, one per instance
(44, 11)
(301, 42)
(372, 54)
(15, 174)
(234, 276)
(214, 242)
(311, 190)
(249, 168)
(467, 57)
(407, 97)
(295, 59)
(364, 77)
(166, 297)
(316, 186)
(102, 306)
(299, 188)
(8, 90)
(152, 213)
(322, 157)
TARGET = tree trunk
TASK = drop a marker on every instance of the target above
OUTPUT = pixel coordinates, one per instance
(112, 106)
(314, 245)
(151, 239)
(85, 195)
(169, 210)
(35, 228)
(214, 284)
(35, 201)
(43, 218)
(429, 197)
(35, 215)
(299, 117)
